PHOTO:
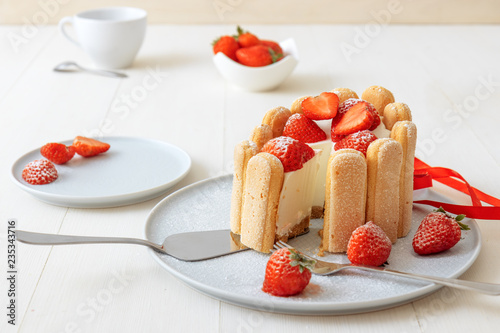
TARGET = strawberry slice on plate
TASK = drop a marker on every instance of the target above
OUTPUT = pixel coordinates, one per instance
(87, 147)
(39, 172)
(301, 128)
(57, 153)
(321, 107)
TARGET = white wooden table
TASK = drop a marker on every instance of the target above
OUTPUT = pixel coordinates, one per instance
(448, 75)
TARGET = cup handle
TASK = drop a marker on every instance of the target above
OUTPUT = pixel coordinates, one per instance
(62, 23)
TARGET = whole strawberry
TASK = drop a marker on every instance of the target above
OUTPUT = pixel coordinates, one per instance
(57, 153)
(369, 245)
(438, 232)
(256, 56)
(39, 172)
(359, 141)
(227, 45)
(287, 273)
(292, 153)
(303, 129)
(246, 39)
(273, 45)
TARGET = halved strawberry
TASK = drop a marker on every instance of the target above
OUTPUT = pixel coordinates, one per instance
(57, 153)
(39, 172)
(359, 141)
(359, 117)
(89, 147)
(292, 153)
(321, 107)
(303, 129)
(347, 104)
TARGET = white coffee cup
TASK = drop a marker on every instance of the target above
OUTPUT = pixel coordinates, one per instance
(110, 36)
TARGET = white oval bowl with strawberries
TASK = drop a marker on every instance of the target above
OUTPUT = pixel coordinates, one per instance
(259, 78)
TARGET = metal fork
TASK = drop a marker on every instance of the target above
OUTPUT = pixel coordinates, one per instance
(321, 267)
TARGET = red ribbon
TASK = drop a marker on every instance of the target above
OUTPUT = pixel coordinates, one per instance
(423, 176)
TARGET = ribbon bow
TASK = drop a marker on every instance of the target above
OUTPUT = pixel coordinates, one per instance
(423, 176)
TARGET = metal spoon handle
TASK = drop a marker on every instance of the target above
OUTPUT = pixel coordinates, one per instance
(104, 73)
(51, 239)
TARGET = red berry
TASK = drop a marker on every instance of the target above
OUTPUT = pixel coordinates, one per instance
(292, 153)
(57, 153)
(321, 107)
(369, 245)
(227, 45)
(246, 39)
(303, 129)
(359, 141)
(273, 45)
(256, 56)
(87, 147)
(39, 172)
(287, 273)
(438, 232)
(357, 118)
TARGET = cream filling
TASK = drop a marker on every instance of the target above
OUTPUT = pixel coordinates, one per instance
(297, 194)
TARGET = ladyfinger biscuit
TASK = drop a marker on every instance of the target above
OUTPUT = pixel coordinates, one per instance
(276, 118)
(297, 105)
(379, 97)
(384, 158)
(243, 151)
(344, 94)
(405, 132)
(264, 180)
(395, 112)
(260, 135)
(345, 198)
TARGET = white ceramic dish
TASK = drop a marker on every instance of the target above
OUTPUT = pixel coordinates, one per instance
(131, 171)
(259, 78)
(237, 278)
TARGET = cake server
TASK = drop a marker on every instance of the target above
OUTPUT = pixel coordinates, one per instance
(188, 246)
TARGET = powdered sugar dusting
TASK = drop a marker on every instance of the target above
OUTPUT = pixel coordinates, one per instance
(238, 278)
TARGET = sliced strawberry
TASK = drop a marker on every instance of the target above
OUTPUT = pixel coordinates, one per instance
(89, 147)
(321, 107)
(57, 153)
(303, 129)
(359, 117)
(358, 140)
(39, 172)
(292, 153)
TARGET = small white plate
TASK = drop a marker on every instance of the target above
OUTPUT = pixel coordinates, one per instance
(237, 278)
(132, 170)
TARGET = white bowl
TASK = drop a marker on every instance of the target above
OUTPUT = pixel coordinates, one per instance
(259, 78)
